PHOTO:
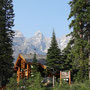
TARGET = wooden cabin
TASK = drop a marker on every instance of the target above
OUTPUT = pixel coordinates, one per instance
(24, 62)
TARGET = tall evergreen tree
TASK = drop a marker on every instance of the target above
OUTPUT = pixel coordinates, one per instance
(80, 11)
(54, 55)
(34, 58)
(6, 36)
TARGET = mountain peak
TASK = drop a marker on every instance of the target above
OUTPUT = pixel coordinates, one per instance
(38, 41)
(38, 33)
(18, 34)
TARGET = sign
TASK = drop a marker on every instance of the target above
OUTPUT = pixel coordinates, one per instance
(65, 75)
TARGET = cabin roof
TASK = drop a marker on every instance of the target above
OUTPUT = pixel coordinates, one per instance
(29, 58)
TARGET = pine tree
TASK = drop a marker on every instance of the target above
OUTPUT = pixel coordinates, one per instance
(34, 58)
(54, 55)
(80, 11)
(6, 36)
(34, 66)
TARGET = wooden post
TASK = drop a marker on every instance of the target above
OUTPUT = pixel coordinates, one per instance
(24, 65)
(69, 78)
(53, 81)
(27, 71)
(60, 77)
(18, 75)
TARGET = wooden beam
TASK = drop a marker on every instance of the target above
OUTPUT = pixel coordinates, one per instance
(18, 75)
(69, 77)
(53, 81)
(27, 71)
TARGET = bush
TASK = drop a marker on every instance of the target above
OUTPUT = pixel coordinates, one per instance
(81, 86)
(12, 85)
(35, 84)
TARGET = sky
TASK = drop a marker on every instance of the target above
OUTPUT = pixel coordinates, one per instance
(42, 15)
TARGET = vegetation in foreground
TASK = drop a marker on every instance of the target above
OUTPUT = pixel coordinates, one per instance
(36, 84)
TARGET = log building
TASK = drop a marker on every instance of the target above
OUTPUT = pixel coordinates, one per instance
(24, 62)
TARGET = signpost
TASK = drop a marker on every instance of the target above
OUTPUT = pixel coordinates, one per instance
(65, 75)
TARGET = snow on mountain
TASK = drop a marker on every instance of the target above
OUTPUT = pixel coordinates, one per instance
(18, 34)
(38, 41)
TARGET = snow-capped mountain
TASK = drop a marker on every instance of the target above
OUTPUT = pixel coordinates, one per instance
(38, 42)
